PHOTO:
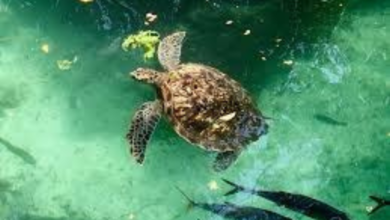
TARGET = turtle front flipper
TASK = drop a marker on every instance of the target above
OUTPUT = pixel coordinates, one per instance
(142, 126)
(225, 159)
(169, 50)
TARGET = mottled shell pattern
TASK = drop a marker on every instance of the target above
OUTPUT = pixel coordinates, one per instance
(210, 109)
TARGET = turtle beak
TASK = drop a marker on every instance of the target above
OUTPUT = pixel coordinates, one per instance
(132, 74)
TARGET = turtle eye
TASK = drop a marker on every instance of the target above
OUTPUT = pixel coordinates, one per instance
(195, 86)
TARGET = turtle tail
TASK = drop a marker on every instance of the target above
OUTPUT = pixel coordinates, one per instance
(191, 203)
(380, 204)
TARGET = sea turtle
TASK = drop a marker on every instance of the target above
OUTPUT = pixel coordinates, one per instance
(205, 106)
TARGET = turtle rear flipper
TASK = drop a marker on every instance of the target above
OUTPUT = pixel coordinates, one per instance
(142, 126)
(225, 159)
(169, 50)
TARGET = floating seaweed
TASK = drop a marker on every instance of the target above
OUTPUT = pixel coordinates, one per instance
(147, 40)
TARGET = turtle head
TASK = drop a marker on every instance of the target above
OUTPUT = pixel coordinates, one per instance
(145, 75)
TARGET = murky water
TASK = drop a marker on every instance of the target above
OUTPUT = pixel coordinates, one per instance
(302, 60)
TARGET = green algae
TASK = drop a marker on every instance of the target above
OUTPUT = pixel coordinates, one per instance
(147, 40)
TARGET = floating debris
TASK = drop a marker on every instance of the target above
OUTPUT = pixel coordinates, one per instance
(148, 40)
(229, 22)
(388, 134)
(131, 216)
(86, 1)
(45, 48)
(213, 185)
(369, 208)
(66, 64)
(288, 62)
(22, 154)
(150, 17)
(263, 58)
(278, 40)
(247, 32)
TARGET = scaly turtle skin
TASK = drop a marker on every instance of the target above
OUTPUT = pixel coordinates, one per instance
(205, 106)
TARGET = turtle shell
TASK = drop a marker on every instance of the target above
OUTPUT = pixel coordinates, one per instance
(210, 109)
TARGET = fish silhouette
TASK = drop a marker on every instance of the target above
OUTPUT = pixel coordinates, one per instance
(235, 212)
(303, 204)
(22, 154)
(329, 120)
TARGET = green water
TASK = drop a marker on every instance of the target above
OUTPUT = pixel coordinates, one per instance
(71, 123)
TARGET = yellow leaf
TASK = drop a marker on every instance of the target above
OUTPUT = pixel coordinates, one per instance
(45, 48)
(213, 185)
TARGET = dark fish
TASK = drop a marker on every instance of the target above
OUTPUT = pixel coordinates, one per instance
(296, 202)
(232, 211)
(22, 154)
(381, 203)
(329, 120)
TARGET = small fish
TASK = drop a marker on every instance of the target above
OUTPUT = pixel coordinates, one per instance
(296, 202)
(329, 120)
(232, 211)
(22, 154)
(381, 203)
